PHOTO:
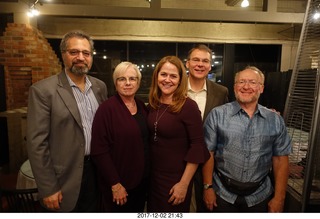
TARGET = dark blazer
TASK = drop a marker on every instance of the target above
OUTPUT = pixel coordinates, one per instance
(55, 138)
(216, 96)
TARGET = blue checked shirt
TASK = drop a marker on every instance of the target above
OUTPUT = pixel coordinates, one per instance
(243, 147)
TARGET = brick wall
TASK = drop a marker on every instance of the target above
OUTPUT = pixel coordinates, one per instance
(27, 57)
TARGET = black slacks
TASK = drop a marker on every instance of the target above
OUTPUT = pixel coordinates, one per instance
(89, 196)
(240, 205)
(198, 190)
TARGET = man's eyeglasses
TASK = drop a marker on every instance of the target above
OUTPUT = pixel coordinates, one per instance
(251, 83)
(75, 52)
(130, 79)
(197, 60)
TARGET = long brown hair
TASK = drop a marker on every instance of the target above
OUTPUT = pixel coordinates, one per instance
(179, 95)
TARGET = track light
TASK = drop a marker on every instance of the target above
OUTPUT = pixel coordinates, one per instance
(32, 10)
(245, 3)
(316, 14)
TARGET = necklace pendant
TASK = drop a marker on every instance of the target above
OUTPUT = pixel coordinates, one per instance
(156, 122)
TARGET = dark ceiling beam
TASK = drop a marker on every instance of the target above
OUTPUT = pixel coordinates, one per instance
(156, 13)
(170, 14)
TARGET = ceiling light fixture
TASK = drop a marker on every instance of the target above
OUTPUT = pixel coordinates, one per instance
(32, 10)
(245, 3)
(316, 14)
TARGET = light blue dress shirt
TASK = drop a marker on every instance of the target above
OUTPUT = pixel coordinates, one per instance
(87, 105)
(243, 147)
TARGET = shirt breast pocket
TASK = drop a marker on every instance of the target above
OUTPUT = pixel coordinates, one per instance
(262, 145)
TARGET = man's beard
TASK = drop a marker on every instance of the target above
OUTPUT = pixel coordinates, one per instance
(79, 70)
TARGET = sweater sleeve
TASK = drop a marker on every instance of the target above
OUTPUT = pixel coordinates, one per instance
(197, 152)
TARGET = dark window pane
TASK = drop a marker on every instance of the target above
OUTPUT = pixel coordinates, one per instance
(146, 55)
(116, 50)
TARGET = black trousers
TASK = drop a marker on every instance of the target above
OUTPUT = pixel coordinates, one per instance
(240, 205)
(89, 196)
(198, 190)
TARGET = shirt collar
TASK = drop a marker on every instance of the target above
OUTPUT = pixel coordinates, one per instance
(261, 111)
(237, 108)
(204, 88)
(72, 84)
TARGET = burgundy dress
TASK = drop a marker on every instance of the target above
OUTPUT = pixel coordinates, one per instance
(180, 140)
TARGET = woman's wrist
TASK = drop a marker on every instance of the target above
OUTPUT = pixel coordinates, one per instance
(116, 187)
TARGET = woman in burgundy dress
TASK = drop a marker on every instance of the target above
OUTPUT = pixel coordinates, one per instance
(176, 135)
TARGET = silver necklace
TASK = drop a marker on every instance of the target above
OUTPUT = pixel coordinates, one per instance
(156, 122)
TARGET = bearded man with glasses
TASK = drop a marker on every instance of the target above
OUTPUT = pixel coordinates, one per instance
(61, 109)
